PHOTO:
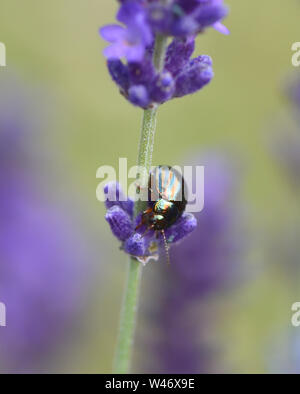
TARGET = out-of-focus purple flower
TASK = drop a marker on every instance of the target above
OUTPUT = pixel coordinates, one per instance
(136, 77)
(41, 257)
(211, 252)
(142, 244)
(40, 283)
(206, 263)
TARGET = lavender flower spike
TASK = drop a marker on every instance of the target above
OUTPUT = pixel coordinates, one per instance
(144, 247)
(130, 55)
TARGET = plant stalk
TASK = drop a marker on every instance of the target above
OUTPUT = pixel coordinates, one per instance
(131, 297)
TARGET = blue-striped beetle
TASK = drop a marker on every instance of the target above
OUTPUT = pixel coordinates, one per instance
(166, 200)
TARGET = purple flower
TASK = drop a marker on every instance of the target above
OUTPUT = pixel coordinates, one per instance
(139, 96)
(144, 87)
(130, 56)
(178, 54)
(163, 87)
(181, 18)
(196, 74)
(140, 243)
(212, 251)
(41, 257)
(129, 42)
(40, 282)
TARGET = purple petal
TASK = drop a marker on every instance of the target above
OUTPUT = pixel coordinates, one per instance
(112, 33)
(119, 73)
(120, 223)
(211, 13)
(141, 73)
(134, 53)
(221, 28)
(194, 77)
(178, 54)
(134, 16)
(114, 52)
(136, 245)
(130, 12)
(160, 17)
(138, 95)
(163, 88)
(183, 227)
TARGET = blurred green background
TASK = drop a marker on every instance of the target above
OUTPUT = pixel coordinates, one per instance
(55, 47)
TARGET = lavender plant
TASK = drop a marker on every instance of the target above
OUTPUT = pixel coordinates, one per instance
(150, 60)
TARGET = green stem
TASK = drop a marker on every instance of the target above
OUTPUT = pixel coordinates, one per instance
(128, 317)
(160, 52)
(131, 296)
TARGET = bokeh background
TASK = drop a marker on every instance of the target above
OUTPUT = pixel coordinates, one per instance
(225, 306)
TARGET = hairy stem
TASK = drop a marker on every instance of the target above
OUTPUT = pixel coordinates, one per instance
(131, 296)
(160, 52)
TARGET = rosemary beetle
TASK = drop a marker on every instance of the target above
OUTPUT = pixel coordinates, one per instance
(166, 200)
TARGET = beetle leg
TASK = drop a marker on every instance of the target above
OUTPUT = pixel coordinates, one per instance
(139, 226)
(148, 229)
(147, 212)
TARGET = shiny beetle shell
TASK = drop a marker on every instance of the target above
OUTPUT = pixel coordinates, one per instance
(166, 199)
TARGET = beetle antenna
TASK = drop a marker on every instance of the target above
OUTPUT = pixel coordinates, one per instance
(166, 247)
